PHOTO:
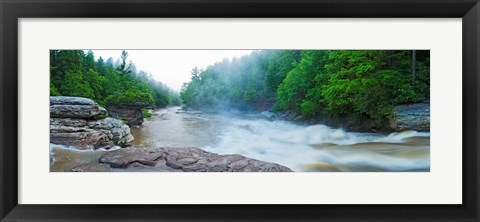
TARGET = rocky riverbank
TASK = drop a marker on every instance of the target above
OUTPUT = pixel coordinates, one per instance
(411, 117)
(405, 117)
(82, 123)
(184, 159)
(131, 113)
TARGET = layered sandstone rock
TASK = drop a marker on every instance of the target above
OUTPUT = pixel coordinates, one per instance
(411, 117)
(81, 123)
(92, 167)
(75, 107)
(186, 159)
(131, 113)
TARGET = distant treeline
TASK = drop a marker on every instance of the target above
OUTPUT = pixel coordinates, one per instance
(339, 84)
(76, 73)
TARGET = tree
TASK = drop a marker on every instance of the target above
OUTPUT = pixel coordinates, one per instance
(73, 85)
(101, 66)
(414, 65)
(89, 62)
(74, 73)
(301, 83)
(123, 68)
(195, 73)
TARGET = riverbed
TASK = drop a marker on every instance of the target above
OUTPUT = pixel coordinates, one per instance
(304, 148)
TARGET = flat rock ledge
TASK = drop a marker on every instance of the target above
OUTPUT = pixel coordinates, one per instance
(186, 159)
(94, 167)
(75, 107)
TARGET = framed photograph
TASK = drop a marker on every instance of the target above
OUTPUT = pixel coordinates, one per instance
(225, 110)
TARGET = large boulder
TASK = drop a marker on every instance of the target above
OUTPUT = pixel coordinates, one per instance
(86, 130)
(75, 107)
(268, 115)
(411, 117)
(131, 113)
(186, 159)
(120, 132)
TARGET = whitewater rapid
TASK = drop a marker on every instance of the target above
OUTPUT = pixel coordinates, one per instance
(321, 148)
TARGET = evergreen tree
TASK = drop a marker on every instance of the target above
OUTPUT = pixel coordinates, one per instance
(75, 73)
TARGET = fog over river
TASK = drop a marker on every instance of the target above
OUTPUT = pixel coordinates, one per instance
(299, 147)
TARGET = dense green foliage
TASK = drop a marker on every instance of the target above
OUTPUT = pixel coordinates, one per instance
(341, 84)
(145, 113)
(246, 83)
(76, 73)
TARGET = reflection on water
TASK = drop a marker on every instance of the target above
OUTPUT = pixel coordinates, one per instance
(302, 148)
(412, 155)
(167, 128)
(65, 158)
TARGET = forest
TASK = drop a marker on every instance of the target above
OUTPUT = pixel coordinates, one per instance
(76, 73)
(352, 85)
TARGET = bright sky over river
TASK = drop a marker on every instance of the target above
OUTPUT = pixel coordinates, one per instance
(172, 67)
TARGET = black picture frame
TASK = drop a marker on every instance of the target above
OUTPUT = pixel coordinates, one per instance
(12, 10)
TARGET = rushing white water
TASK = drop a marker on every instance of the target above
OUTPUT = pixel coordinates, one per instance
(300, 147)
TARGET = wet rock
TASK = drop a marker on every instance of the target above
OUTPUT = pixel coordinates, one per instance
(89, 134)
(71, 100)
(120, 133)
(365, 126)
(268, 115)
(88, 139)
(411, 117)
(132, 114)
(92, 167)
(66, 125)
(75, 107)
(85, 133)
(187, 159)
(291, 115)
(299, 118)
(122, 158)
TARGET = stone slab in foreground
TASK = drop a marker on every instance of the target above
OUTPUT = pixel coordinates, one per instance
(186, 159)
(96, 167)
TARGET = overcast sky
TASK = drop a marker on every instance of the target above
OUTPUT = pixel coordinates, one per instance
(171, 67)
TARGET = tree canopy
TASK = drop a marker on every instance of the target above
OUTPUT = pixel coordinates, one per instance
(76, 73)
(339, 84)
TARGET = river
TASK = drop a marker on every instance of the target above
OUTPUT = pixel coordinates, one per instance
(312, 148)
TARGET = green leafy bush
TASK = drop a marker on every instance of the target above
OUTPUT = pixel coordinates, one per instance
(145, 113)
(130, 97)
